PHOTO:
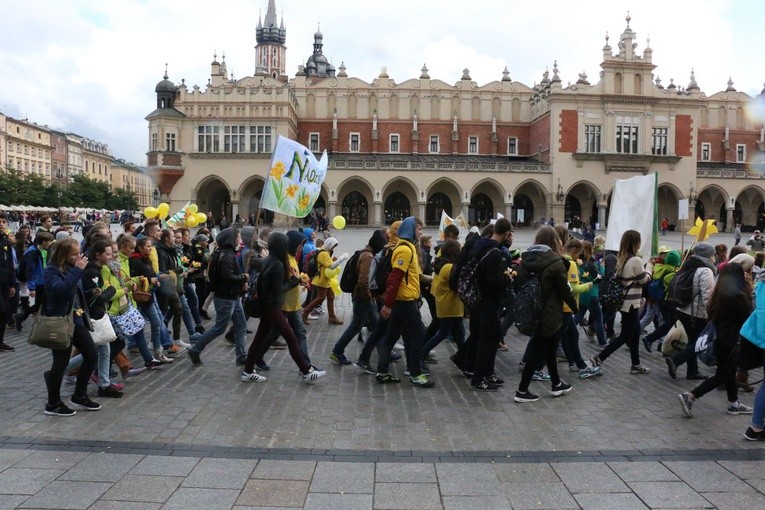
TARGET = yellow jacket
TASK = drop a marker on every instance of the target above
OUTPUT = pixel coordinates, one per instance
(448, 302)
(573, 282)
(325, 274)
(292, 297)
(405, 258)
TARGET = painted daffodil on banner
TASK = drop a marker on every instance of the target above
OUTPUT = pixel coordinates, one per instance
(294, 180)
(703, 229)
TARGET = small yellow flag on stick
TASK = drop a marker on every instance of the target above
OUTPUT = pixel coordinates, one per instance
(703, 229)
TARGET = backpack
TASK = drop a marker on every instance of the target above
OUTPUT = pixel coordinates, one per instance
(21, 271)
(251, 303)
(527, 308)
(312, 263)
(382, 265)
(705, 345)
(350, 277)
(613, 295)
(656, 289)
(681, 287)
(467, 282)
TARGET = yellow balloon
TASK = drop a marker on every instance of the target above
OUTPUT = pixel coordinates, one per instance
(193, 208)
(150, 212)
(338, 222)
(201, 218)
(191, 221)
(163, 209)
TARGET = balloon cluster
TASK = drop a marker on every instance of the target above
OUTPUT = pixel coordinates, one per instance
(188, 215)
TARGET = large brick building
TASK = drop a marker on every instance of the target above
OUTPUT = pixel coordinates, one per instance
(424, 145)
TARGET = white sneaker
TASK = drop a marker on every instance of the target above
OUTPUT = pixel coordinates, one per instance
(252, 377)
(161, 356)
(313, 375)
(181, 343)
(399, 346)
(313, 317)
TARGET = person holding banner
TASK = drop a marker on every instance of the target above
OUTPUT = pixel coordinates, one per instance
(633, 276)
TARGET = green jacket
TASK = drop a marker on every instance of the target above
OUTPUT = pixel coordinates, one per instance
(663, 272)
(112, 280)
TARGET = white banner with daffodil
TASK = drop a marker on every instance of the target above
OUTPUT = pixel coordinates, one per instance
(294, 179)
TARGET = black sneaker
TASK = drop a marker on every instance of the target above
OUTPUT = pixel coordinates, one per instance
(525, 396)
(493, 379)
(454, 360)
(387, 379)
(560, 389)
(229, 337)
(59, 410)
(154, 364)
(195, 359)
(671, 367)
(647, 343)
(749, 435)
(5, 347)
(109, 391)
(365, 366)
(262, 365)
(199, 329)
(484, 385)
(84, 403)
(18, 319)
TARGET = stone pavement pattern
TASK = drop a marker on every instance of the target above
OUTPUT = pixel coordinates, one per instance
(199, 438)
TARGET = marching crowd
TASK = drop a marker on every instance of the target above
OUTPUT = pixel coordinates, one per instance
(167, 279)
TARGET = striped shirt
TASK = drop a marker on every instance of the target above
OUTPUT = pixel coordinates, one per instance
(633, 276)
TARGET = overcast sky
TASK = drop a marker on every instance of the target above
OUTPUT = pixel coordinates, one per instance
(90, 66)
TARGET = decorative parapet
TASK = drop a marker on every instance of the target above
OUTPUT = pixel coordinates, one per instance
(435, 163)
(731, 172)
(617, 162)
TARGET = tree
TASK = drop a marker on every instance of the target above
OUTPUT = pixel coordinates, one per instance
(121, 198)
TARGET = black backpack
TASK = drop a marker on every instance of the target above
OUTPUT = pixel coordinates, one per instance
(527, 307)
(350, 277)
(612, 297)
(680, 290)
(312, 263)
(467, 284)
(250, 302)
(383, 265)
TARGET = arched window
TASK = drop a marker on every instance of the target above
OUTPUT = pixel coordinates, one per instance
(437, 203)
(396, 207)
(355, 209)
(481, 209)
(523, 203)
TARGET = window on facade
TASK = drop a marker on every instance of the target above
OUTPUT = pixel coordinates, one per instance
(512, 146)
(434, 144)
(394, 147)
(234, 139)
(208, 139)
(313, 142)
(473, 145)
(170, 142)
(706, 152)
(659, 145)
(627, 135)
(260, 139)
(740, 153)
(592, 135)
(354, 143)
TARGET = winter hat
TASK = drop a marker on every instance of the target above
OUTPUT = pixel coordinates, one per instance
(200, 238)
(673, 258)
(62, 235)
(247, 233)
(704, 250)
(330, 243)
(744, 260)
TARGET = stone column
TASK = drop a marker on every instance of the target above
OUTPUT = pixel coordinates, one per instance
(466, 210)
(234, 211)
(509, 211)
(378, 219)
(421, 211)
(729, 225)
(332, 210)
(602, 215)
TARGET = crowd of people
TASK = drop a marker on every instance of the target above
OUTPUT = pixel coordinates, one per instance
(167, 279)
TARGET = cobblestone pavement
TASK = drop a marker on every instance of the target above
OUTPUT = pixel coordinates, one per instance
(199, 438)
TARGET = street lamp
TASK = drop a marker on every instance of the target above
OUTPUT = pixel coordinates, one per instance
(156, 196)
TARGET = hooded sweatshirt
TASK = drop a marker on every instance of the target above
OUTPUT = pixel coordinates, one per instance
(376, 243)
(324, 260)
(551, 268)
(490, 272)
(292, 296)
(404, 279)
(273, 282)
(308, 247)
(226, 279)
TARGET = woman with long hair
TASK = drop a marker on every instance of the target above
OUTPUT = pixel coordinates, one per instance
(544, 258)
(590, 271)
(633, 277)
(728, 309)
(64, 296)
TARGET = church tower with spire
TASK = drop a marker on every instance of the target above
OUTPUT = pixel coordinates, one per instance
(271, 52)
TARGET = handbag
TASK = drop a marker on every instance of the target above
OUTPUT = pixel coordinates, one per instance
(51, 332)
(705, 345)
(129, 323)
(141, 297)
(675, 340)
(103, 331)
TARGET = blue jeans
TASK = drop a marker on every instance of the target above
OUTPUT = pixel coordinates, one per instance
(104, 364)
(226, 310)
(363, 312)
(295, 320)
(570, 341)
(150, 312)
(404, 321)
(190, 290)
(596, 318)
(446, 325)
